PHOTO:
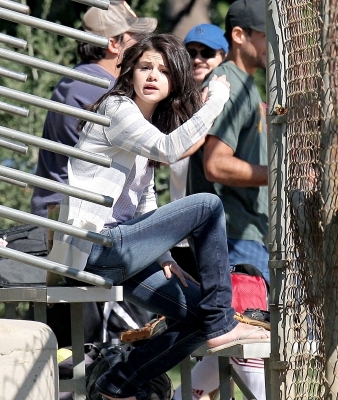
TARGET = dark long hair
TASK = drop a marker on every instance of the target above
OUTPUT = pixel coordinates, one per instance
(184, 99)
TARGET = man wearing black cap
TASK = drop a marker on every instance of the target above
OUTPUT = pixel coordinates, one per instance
(233, 160)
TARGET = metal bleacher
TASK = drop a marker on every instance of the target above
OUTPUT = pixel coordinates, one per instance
(103, 289)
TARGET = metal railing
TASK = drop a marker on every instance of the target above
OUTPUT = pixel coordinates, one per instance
(18, 13)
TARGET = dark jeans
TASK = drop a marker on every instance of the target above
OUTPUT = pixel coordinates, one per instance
(201, 312)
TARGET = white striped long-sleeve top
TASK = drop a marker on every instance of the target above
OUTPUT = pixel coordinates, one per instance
(128, 135)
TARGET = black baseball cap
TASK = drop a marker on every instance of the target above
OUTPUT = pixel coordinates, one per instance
(246, 14)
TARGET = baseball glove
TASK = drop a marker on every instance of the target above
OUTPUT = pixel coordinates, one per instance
(152, 328)
(255, 317)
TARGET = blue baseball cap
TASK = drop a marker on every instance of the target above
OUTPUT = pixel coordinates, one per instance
(209, 35)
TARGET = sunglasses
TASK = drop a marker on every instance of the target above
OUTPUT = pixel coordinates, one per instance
(207, 52)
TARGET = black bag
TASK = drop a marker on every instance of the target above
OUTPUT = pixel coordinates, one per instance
(29, 239)
(160, 388)
(65, 363)
(102, 354)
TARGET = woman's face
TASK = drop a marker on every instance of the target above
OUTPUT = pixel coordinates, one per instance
(151, 81)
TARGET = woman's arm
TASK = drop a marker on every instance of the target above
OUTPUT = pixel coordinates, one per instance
(130, 131)
(194, 148)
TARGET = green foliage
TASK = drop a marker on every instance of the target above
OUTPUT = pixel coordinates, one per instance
(162, 185)
(150, 8)
(218, 11)
(46, 46)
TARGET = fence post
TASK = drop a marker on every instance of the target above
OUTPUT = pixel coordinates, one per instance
(276, 95)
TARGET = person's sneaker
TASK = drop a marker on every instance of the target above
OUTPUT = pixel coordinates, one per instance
(160, 388)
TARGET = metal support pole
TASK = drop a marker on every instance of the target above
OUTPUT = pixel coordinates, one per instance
(13, 182)
(10, 108)
(276, 145)
(19, 148)
(52, 266)
(53, 68)
(186, 385)
(59, 148)
(76, 310)
(54, 106)
(8, 73)
(54, 28)
(14, 6)
(21, 216)
(13, 41)
(56, 186)
(103, 4)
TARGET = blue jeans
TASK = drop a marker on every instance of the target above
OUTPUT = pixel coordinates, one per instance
(249, 252)
(200, 312)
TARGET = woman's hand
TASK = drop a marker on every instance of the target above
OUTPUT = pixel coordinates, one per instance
(170, 267)
(222, 79)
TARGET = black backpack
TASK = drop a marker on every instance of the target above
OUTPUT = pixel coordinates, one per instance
(29, 239)
(159, 388)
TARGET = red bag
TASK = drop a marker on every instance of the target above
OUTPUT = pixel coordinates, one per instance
(248, 291)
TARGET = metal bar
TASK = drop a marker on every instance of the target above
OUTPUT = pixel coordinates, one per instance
(267, 377)
(10, 310)
(241, 385)
(10, 108)
(54, 68)
(59, 148)
(277, 65)
(224, 377)
(56, 186)
(13, 146)
(13, 41)
(8, 73)
(54, 28)
(79, 368)
(103, 4)
(40, 312)
(186, 385)
(66, 385)
(13, 182)
(15, 6)
(21, 216)
(52, 266)
(54, 106)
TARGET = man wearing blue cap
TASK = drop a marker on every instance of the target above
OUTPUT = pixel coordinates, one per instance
(233, 161)
(207, 47)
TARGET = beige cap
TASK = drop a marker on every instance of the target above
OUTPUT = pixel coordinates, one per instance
(118, 19)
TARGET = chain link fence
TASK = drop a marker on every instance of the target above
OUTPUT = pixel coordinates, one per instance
(307, 306)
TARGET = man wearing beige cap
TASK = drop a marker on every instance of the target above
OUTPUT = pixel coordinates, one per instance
(119, 23)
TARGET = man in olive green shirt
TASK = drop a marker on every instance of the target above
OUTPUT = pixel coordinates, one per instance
(233, 160)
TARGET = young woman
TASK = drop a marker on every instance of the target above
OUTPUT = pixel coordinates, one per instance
(156, 116)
